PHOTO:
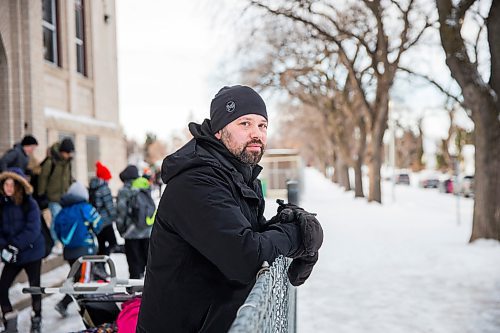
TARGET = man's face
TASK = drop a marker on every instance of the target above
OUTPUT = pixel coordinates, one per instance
(245, 138)
(29, 149)
(65, 155)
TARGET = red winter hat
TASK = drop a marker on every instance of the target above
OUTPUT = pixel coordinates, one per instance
(102, 172)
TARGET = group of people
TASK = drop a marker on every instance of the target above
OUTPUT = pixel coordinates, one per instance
(81, 219)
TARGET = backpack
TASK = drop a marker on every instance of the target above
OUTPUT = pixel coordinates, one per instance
(42, 200)
(73, 228)
(142, 209)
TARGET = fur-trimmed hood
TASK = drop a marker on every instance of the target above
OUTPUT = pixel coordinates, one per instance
(18, 176)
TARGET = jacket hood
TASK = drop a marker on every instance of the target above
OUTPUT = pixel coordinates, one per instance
(205, 149)
(54, 151)
(76, 193)
(18, 176)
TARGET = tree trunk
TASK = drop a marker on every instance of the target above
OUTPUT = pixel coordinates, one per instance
(345, 177)
(335, 175)
(374, 192)
(482, 99)
(342, 172)
(486, 220)
(358, 178)
(375, 146)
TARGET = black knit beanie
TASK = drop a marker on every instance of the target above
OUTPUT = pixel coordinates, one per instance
(29, 140)
(230, 103)
(67, 145)
(129, 173)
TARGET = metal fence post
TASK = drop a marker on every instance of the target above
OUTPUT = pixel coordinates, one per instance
(292, 187)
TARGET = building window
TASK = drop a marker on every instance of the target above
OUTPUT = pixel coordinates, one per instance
(93, 153)
(50, 37)
(80, 37)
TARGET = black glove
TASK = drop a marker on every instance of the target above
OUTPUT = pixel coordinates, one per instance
(286, 213)
(310, 228)
(311, 231)
(9, 254)
(300, 269)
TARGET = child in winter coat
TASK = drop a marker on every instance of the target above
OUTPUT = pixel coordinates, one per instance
(100, 197)
(22, 244)
(136, 236)
(76, 226)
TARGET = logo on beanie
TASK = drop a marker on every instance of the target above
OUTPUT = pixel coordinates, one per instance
(230, 106)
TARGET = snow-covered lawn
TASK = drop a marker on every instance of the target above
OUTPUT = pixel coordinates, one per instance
(402, 267)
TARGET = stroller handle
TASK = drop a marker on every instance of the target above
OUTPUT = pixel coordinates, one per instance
(40, 290)
(93, 258)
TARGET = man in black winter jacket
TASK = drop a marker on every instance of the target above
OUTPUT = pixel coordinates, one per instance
(210, 237)
(18, 156)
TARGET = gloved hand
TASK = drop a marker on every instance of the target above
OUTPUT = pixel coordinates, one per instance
(9, 254)
(300, 269)
(286, 213)
(311, 231)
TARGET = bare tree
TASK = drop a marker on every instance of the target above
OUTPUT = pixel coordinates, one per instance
(368, 49)
(481, 98)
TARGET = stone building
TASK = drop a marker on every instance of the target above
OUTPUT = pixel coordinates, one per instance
(58, 78)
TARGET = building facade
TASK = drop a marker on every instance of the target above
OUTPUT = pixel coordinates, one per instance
(58, 78)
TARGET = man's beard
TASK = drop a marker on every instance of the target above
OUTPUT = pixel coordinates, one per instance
(240, 152)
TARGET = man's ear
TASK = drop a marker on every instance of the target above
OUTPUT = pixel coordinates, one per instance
(218, 135)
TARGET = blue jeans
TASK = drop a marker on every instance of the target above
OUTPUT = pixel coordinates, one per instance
(54, 208)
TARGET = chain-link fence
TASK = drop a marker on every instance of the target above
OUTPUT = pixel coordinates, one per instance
(270, 306)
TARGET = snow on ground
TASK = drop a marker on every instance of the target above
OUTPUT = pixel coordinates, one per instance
(404, 266)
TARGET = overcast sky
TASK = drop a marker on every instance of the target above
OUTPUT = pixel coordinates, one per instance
(170, 55)
(168, 52)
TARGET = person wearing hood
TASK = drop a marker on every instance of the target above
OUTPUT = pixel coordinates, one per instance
(100, 197)
(18, 156)
(210, 237)
(22, 244)
(136, 237)
(76, 226)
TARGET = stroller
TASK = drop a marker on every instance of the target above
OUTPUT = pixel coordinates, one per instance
(97, 301)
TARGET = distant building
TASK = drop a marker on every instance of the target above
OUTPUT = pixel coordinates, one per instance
(58, 77)
(279, 167)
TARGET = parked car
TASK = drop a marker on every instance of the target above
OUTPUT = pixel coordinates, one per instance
(429, 182)
(403, 178)
(446, 185)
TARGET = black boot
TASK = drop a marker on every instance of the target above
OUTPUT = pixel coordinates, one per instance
(61, 308)
(10, 322)
(36, 324)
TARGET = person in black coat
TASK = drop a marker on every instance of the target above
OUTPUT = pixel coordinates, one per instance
(22, 244)
(18, 156)
(210, 237)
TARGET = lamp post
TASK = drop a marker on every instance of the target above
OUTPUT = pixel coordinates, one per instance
(392, 149)
(456, 186)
